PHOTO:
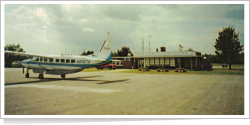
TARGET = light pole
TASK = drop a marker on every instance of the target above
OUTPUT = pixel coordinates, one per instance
(149, 49)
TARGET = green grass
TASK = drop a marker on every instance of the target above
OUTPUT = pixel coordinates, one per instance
(214, 72)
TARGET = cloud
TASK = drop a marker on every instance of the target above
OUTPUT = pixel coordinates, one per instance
(85, 26)
(87, 30)
(41, 13)
(70, 7)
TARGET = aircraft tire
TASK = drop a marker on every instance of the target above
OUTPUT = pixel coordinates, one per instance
(98, 68)
(27, 75)
(101, 68)
(110, 68)
(40, 76)
(113, 68)
(63, 76)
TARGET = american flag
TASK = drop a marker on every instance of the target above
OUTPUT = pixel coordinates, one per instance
(180, 46)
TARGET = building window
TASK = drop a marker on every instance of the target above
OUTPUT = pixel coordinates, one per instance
(157, 62)
(151, 61)
(121, 62)
(118, 63)
(146, 61)
(50, 60)
(73, 60)
(172, 61)
(62, 60)
(57, 60)
(67, 60)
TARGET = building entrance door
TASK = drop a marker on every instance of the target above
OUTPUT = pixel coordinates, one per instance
(140, 63)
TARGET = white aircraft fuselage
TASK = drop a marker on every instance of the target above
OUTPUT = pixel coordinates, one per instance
(63, 64)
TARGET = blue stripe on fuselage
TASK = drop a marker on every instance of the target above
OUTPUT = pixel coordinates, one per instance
(68, 64)
(65, 64)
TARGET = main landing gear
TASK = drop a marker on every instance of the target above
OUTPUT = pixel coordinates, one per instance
(63, 76)
(40, 76)
(27, 75)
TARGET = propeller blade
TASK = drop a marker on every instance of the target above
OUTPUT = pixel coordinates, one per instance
(23, 70)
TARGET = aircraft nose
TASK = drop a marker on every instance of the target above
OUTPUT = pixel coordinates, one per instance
(25, 61)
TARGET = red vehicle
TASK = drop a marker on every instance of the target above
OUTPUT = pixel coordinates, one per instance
(109, 66)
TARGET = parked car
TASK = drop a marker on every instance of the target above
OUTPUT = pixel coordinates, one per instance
(109, 66)
(16, 64)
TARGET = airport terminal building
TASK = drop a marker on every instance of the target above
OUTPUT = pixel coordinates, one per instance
(169, 59)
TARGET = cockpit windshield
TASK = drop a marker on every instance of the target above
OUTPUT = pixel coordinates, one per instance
(34, 58)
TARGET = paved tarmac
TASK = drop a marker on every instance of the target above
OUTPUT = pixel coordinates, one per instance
(111, 93)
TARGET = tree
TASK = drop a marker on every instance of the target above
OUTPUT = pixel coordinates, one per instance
(87, 53)
(124, 51)
(190, 49)
(13, 47)
(114, 54)
(9, 58)
(228, 46)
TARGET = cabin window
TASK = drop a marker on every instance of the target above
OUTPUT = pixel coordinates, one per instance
(73, 60)
(41, 59)
(67, 60)
(57, 60)
(45, 59)
(62, 60)
(51, 60)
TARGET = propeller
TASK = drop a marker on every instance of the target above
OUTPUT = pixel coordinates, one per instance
(23, 70)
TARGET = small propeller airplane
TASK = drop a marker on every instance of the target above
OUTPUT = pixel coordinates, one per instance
(65, 64)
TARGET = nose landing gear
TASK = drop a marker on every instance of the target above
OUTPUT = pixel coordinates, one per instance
(63, 76)
(27, 75)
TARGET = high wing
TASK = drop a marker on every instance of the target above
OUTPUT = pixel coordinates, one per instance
(29, 56)
(26, 54)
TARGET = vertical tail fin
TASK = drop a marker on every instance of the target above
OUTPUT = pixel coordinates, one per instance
(105, 51)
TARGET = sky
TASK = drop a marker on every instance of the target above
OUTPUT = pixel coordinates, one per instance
(69, 29)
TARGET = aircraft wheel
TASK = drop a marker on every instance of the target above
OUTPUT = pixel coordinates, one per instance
(40, 76)
(98, 68)
(27, 75)
(63, 76)
(113, 68)
(101, 68)
(110, 68)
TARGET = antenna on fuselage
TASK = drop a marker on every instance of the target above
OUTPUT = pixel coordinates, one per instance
(104, 43)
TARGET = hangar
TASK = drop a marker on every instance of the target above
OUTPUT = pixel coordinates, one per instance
(169, 59)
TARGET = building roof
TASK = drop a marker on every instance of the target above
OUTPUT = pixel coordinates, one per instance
(168, 54)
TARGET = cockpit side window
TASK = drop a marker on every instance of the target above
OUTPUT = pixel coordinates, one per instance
(57, 60)
(37, 59)
(41, 59)
(45, 59)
